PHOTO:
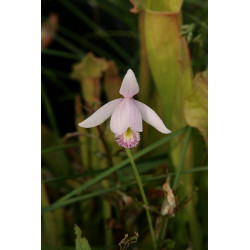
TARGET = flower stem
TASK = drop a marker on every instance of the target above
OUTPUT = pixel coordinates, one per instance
(137, 176)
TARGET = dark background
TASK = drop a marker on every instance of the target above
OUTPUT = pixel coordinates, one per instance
(61, 88)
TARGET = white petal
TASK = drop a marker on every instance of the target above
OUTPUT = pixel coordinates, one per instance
(129, 86)
(126, 115)
(102, 114)
(149, 116)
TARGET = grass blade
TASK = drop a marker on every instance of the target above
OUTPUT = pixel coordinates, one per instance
(61, 147)
(87, 21)
(117, 14)
(68, 45)
(50, 75)
(60, 53)
(177, 177)
(49, 110)
(143, 166)
(164, 223)
(111, 170)
(120, 187)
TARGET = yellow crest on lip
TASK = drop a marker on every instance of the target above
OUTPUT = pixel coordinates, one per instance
(128, 134)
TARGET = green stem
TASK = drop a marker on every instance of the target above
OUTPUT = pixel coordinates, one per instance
(120, 165)
(68, 45)
(178, 172)
(49, 110)
(137, 176)
(163, 228)
(164, 223)
(60, 53)
(109, 190)
(144, 179)
(53, 78)
(106, 147)
(107, 214)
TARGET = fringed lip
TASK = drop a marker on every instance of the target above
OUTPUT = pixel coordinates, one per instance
(130, 141)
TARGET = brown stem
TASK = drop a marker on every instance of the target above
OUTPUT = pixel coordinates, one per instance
(183, 203)
(106, 147)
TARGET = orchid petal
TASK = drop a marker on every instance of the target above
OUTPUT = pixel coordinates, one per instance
(149, 116)
(126, 115)
(129, 86)
(102, 114)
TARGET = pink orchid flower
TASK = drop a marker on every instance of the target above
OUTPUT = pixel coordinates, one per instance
(126, 115)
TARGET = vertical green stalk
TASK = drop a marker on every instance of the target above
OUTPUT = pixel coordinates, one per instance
(163, 226)
(138, 179)
(48, 222)
(49, 110)
(107, 214)
(178, 173)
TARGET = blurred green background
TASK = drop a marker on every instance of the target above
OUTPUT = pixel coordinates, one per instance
(87, 47)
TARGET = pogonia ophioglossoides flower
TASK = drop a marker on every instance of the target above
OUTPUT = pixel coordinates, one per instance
(126, 115)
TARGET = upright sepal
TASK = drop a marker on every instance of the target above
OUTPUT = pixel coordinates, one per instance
(129, 86)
